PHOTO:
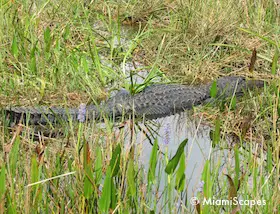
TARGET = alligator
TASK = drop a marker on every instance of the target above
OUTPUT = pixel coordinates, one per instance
(155, 101)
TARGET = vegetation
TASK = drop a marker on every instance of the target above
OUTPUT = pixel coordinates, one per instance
(63, 53)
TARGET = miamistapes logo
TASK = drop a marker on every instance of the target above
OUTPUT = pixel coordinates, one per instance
(227, 202)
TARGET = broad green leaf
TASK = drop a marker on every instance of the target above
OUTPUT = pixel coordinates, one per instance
(206, 177)
(130, 178)
(47, 35)
(115, 160)
(47, 39)
(207, 186)
(213, 89)
(233, 103)
(154, 73)
(15, 47)
(153, 163)
(180, 174)
(216, 134)
(34, 170)
(88, 188)
(14, 156)
(172, 164)
(105, 199)
(114, 195)
(35, 176)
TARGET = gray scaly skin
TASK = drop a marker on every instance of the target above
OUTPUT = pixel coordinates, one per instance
(153, 102)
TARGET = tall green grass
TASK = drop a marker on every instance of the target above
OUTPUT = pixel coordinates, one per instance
(67, 52)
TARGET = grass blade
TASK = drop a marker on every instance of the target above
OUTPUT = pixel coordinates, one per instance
(98, 165)
(213, 89)
(275, 62)
(216, 134)
(2, 182)
(115, 160)
(47, 39)
(258, 35)
(237, 167)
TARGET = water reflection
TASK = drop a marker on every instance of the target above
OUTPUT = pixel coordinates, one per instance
(172, 131)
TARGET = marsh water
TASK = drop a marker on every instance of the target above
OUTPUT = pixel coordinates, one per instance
(171, 131)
